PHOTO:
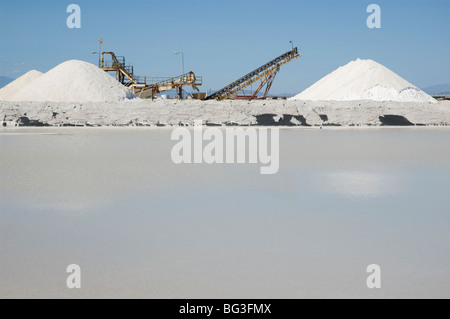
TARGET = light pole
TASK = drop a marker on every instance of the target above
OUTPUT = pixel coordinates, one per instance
(100, 42)
(292, 45)
(182, 58)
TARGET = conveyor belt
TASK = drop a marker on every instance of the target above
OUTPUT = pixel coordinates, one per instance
(266, 73)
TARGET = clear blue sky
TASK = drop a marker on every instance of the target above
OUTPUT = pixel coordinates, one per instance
(223, 40)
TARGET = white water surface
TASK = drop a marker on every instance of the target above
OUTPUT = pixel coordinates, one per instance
(112, 201)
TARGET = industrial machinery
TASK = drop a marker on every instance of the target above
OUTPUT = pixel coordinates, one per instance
(265, 73)
(142, 86)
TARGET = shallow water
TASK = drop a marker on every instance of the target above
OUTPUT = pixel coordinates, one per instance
(112, 201)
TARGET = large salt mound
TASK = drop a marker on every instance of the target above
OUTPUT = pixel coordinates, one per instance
(12, 88)
(363, 80)
(74, 81)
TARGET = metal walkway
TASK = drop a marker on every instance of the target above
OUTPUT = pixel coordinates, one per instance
(166, 84)
(265, 73)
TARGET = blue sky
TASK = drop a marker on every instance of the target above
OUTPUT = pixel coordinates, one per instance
(223, 40)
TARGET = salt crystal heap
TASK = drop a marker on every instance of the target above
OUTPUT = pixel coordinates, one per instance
(74, 81)
(364, 80)
(12, 88)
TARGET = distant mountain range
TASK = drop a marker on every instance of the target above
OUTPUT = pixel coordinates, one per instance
(439, 89)
(4, 80)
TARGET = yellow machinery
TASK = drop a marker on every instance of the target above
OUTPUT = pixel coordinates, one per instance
(145, 87)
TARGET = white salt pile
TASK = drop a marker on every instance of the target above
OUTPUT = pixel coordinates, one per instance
(74, 81)
(363, 80)
(12, 88)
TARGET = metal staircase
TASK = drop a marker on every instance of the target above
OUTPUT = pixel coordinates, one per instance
(265, 73)
(124, 73)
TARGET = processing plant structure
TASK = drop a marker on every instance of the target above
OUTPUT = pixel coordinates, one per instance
(146, 87)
